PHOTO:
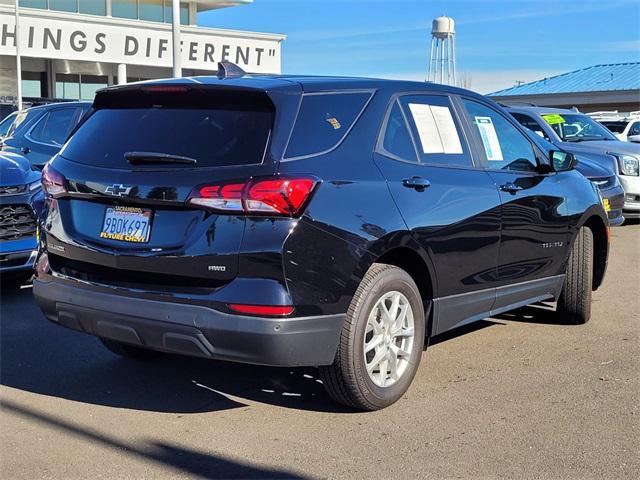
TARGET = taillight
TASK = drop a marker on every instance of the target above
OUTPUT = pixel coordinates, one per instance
(53, 182)
(271, 196)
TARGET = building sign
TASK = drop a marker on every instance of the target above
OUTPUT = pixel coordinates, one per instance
(58, 36)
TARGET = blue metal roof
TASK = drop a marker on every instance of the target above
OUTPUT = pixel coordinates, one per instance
(598, 78)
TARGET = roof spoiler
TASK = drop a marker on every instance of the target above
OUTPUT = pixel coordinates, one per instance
(229, 70)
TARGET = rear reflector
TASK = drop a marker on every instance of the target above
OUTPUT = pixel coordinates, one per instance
(270, 310)
(271, 196)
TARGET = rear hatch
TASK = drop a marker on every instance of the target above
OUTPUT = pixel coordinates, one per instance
(128, 172)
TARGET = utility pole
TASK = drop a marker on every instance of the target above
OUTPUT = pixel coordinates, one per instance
(18, 59)
(177, 55)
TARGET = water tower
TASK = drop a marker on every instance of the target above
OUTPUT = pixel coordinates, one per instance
(442, 57)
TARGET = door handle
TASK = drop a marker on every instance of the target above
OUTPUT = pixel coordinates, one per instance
(510, 187)
(417, 183)
(25, 150)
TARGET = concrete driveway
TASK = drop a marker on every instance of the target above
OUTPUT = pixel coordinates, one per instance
(517, 396)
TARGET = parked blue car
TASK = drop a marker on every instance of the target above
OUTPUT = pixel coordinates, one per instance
(21, 201)
(39, 132)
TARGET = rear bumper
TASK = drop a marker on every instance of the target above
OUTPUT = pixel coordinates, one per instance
(191, 329)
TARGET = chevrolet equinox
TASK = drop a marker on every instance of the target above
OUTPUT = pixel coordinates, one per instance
(305, 221)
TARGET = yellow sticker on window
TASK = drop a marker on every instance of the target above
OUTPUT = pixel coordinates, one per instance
(607, 205)
(553, 118)
(334, 123)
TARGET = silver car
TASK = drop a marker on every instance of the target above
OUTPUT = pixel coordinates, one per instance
(577, 133)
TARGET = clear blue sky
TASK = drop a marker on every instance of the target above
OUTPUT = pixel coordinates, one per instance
(498, 41)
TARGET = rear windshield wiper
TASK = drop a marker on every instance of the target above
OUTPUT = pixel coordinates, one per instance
(138, 158)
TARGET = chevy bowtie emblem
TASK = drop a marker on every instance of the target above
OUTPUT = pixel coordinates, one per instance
(118, 189)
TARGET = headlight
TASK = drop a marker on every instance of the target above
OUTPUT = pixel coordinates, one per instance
(33, 186)
(629, 165)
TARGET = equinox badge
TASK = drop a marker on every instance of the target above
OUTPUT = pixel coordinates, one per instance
(118, 189)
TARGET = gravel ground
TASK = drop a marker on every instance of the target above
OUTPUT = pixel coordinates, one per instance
(516, 396)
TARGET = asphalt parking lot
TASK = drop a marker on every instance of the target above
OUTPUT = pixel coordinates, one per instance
(518, 396)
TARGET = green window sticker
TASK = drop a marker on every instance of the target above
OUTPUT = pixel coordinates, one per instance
(553, 118)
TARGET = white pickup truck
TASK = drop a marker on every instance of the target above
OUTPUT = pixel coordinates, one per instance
(625, 127)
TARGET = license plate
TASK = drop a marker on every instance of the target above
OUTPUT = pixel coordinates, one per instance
(127, 224)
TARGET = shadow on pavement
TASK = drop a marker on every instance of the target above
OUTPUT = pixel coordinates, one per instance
(542, 313)
(40, 357)
(190, 461)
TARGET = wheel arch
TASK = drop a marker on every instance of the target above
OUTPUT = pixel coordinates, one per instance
(594, 221)
(403, 251)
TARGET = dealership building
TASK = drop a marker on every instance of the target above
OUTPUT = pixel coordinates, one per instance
(71, 48)
(612, 86)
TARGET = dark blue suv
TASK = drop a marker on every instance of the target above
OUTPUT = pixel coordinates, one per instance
(304, 221)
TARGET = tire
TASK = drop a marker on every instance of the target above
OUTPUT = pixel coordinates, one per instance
(347, 380)
(574, 303)
(129, 351)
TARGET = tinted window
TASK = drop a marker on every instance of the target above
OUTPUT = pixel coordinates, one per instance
(528, 122)
(635, 129)
(505, 147)
(438, 138)
(397, 139)
(55, 126)
(615, 127)
(214, 137)
(6, 123)
(323, 121)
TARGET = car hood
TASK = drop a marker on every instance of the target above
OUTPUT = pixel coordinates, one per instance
(594, 166)
(16, 170)
(602, 147)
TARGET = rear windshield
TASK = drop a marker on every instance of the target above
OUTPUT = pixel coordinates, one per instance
(323, 121)
(211, 136)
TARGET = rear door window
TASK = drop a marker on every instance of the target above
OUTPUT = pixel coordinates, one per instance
(214, 137)
(436, 132)
(323, 121)
(55, 126)
(397, 140)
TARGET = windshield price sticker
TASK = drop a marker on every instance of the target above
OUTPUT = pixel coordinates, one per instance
(489, 139)
(553, 118)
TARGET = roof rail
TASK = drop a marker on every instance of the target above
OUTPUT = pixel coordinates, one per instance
(229, 70)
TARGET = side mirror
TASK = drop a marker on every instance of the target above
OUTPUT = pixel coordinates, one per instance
(634, 138)
(562, 161)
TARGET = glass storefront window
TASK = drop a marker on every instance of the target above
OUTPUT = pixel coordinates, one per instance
(67, 86)
(32, 84)
(151, 10)
(168, 12)
(148, 10)
(33, 3)
(64, 5)
(90, 84)
(124, 9)
(93, 7)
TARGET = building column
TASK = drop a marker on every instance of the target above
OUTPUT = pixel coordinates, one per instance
(122, 73)
(51, 79)
(193, 12)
